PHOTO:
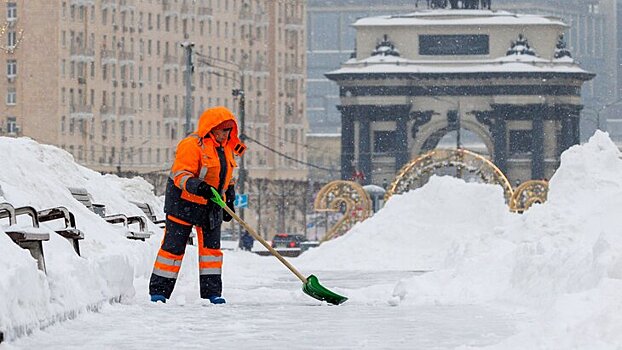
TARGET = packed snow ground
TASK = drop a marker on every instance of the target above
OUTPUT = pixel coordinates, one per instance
(550, 278)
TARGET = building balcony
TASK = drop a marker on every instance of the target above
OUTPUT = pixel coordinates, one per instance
(170, 61)
(293, 70)
(106, 110)
(82, 54)
(167, 8)
(109, 4)
(126, 57)
(246, 17)
(205, 13)
(171, 114)
(108, 56)
(260, 67)
(126, 113)
(81, 111)
(186, 11)
(126, 5)
(293, 23)
(82, 3)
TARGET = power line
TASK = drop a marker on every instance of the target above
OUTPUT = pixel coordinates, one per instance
(289, 141)
(288, 157)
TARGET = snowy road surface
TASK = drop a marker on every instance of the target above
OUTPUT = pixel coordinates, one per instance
(299, 323)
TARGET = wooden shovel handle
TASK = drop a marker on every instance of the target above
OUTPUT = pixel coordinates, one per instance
(265, 244)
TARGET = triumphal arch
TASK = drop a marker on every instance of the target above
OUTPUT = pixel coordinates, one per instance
(413, 78)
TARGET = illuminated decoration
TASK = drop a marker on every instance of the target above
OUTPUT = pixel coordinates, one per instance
(18, 39)
(459, 163)
(339, 195)
(528, 193)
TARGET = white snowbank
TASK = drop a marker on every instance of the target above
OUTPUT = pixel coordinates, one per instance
(38, 175)
(560, 261)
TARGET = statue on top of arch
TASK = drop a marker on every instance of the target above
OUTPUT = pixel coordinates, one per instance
(458, 4)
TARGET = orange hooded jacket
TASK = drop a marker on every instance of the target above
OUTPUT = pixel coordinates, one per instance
(196, 161)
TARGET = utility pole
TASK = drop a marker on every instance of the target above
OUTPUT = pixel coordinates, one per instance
(239, 93)
(187, 45)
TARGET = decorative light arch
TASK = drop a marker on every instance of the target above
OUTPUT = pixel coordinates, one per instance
(528, 193)
(416, 173)
(337, 194)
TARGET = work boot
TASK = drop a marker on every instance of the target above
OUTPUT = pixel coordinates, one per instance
(217, 300)
(157, 297)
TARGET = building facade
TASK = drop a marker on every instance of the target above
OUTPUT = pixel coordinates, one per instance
(104, 79)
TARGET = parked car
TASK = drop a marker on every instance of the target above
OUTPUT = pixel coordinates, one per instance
(286, 240)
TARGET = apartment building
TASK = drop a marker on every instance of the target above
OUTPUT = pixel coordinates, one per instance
(104, 79)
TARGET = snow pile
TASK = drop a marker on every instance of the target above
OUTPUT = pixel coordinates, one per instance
(38, 176)
(560, 261)
(413, 230)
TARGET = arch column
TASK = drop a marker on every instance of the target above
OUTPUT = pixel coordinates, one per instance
(347, 140)
(537, 146)
(496, 122)
(363, 116)
(569, 116)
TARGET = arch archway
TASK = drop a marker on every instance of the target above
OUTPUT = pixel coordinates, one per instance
(431, 134)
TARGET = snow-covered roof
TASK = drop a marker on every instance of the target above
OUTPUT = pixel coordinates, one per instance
(506, 64)
(459, 18)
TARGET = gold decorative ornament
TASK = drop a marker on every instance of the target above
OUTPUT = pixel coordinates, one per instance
(458, 162)
(528, 193)
(339, 195)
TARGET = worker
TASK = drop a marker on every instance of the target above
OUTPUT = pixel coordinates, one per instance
(203, 160)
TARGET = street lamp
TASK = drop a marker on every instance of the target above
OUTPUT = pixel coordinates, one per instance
(598, 110)
(187, 45)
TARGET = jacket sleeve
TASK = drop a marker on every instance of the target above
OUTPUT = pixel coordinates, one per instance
(187, 164)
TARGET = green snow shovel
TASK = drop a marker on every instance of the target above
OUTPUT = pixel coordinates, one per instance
(311, 286)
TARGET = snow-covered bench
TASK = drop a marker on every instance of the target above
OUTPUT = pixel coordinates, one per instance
(26, 236)
(140, 234)
(148, 210)
(84, 197)
(70, 232)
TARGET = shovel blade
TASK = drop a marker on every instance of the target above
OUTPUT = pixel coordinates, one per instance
(314, 289)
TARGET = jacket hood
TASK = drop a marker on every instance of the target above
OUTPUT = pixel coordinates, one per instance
(211, 117)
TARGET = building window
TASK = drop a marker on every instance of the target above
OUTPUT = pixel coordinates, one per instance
(11, 68)
(384, 141)
(11, 38)
(11, 97)
(454, 45)
(520, 141)
(11, 125)
(11, 11)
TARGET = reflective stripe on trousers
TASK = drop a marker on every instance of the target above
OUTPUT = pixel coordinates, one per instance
(210, 261)
(167, 265)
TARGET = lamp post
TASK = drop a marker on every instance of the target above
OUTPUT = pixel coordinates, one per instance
(598, 110)
(239, 93)
(188, 74)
